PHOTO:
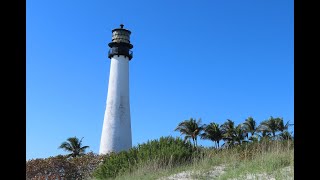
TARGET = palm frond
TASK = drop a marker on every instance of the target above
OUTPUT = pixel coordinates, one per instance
(74, 146)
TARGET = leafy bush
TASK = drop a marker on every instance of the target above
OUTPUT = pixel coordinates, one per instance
(167, 151)
(61, 167)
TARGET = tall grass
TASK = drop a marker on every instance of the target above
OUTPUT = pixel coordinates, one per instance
(268, 157)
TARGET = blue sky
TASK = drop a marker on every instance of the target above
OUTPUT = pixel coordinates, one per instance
(207, 59)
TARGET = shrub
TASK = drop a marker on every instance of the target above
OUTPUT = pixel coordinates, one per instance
(167, 151)
(59, 167)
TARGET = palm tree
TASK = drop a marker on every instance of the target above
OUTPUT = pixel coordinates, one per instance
(285, 135)
(270, 125)
(239, 134)
(191, 129)
(250, 126)
(228, 132)
(74, 146)
(281, 126)
(212, 132)
(265, 134)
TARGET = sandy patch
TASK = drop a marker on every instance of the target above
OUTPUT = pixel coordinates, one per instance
(190, 175)
(219, 170)
(264, 176)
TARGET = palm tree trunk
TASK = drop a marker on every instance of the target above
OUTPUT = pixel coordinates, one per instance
(274, 135)
(194, 142)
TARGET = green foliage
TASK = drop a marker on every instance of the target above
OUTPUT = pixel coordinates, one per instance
(228, 132)
(190, 129)
(167, 151)
(271, 125)
(212, 132)
(114, 164)
(267, 157)
(250, 126)
(257, 157)
(270, 144)
(285, 135)
(74, 146)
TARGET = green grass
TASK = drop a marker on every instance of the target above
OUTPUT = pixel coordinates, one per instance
(269, 158)
(149, 171)
(270, 163)
(165, 153)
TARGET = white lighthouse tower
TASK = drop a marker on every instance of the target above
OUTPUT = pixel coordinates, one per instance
(116, 130)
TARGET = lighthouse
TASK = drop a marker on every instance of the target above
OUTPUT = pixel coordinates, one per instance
(116, 129)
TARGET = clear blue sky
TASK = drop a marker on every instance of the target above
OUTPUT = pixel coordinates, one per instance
(207, 59)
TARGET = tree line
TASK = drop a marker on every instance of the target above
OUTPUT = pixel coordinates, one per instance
(248, 131)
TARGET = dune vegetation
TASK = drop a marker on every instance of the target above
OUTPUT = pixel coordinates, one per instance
(270, 159)
(244, 151)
